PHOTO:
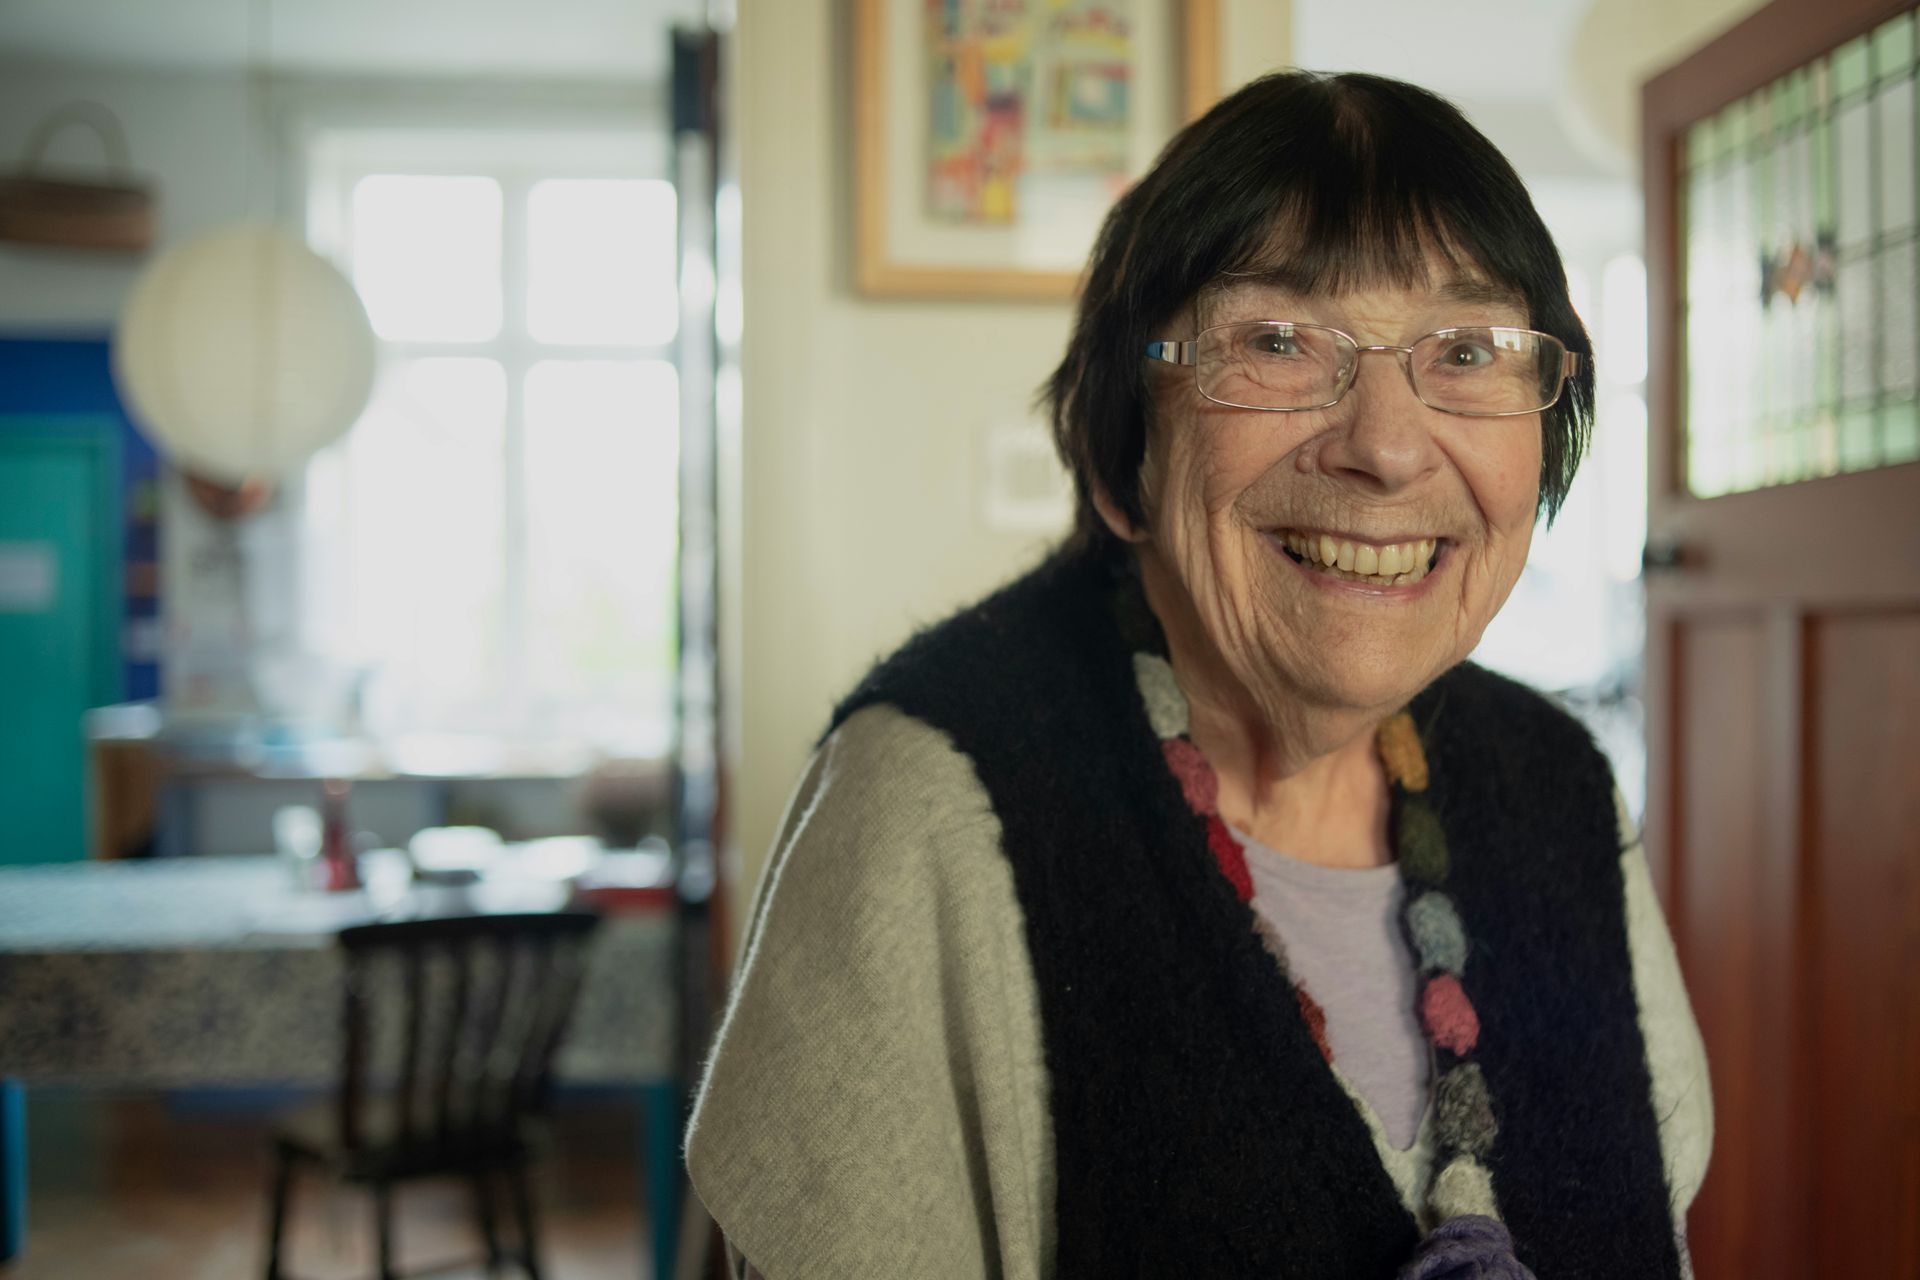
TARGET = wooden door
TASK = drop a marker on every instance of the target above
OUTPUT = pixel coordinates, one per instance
(1783, 596)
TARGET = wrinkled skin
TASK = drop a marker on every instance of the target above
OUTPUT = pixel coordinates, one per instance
(1288, 678)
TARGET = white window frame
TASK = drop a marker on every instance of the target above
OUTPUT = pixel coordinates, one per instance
(518, 137)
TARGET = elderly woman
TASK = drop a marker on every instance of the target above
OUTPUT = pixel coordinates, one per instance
(1191, 907)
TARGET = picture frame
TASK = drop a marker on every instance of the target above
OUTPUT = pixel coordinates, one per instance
(992, 183)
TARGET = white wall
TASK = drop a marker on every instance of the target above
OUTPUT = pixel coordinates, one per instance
(864, 421)
(218, 148)
(189, 132)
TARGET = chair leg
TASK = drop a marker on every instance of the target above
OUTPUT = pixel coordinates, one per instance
(523, 1212)
(277, 1221)
(383, 1227)
(483, 1211)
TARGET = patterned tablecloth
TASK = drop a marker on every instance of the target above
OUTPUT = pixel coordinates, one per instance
(221, 971)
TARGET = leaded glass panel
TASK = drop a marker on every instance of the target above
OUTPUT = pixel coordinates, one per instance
(1893, 122)
(1802, 273)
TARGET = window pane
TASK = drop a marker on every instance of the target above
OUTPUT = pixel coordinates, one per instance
(1747, 371)
(600, 261)
(1894, 127)
(1853, 131)
(1832, 325)
(1854, 288)
(426, 256)
(1899, 291)
(602, 482)
(423, 492)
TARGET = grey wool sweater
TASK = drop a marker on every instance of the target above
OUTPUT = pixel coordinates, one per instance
(876, 1099)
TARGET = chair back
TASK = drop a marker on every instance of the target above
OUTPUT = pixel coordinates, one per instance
(451, 1025)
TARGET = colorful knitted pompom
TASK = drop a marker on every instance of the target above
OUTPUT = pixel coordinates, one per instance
(1400, 751)
(1232, 859)
(1419, 842)
(1316, 1019)
(1468, 1247)
(1437, 936)
(1463, 1111)
(1463, 1187)
(1448, 1015)
(1160, 692)
(1197, 780)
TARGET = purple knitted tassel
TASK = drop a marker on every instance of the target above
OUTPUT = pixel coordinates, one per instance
(1469, 1247)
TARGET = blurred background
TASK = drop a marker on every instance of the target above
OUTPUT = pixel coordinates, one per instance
(452, 456)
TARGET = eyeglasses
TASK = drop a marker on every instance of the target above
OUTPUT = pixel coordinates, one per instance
(1274, 364)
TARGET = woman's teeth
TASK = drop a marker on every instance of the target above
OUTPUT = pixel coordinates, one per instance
(1397, 564)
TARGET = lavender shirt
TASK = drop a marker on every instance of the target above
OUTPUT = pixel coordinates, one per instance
(1341, 927)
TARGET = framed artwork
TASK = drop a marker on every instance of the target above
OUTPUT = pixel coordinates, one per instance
(992, 136)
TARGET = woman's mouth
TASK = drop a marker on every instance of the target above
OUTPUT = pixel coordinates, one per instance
(1374, 564)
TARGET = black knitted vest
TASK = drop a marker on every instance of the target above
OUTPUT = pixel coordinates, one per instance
(1197, 1130)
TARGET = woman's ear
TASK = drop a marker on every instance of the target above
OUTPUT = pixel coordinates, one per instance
(1117, 521)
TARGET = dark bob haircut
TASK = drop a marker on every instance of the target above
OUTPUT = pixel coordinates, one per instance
(1325, 183)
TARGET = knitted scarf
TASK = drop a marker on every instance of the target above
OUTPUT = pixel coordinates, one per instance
(1198, 1128)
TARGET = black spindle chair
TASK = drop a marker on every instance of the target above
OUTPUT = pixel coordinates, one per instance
(450, 1030)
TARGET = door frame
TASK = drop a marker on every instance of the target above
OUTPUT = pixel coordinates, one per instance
(1736, 563)
(1770, 43)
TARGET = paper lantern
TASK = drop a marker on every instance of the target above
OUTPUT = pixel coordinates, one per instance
(243, 352)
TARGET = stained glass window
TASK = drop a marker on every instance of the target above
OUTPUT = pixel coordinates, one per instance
(1802, 273)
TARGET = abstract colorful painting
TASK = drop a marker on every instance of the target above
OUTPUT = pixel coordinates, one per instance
(1022, 90)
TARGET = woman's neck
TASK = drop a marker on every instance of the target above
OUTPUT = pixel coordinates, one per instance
(1332, 809)
(1302, 779)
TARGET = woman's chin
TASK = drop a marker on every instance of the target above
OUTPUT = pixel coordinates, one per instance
(1366, 682)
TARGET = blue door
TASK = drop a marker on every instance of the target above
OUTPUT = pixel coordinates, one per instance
(58, 627)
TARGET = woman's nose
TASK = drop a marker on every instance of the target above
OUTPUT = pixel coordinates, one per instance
(1380, 433)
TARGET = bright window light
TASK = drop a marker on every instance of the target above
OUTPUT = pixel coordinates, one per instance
(425, 536)
(1623, 307)
(1620, 451)
(602, 481)
(1580, 293)
(426, 256)
(493, 549)
(427, 532)
(600, 255)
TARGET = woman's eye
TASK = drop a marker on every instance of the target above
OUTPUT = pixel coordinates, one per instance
(1272, 342)
(1465, 355)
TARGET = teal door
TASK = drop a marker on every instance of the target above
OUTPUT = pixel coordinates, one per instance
(59, 622)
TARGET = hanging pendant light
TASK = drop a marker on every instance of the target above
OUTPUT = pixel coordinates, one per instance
(241, 353)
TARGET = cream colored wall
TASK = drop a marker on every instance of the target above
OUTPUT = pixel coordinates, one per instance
(863, 433)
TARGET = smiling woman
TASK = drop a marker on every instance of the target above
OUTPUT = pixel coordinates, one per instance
(1191, 906)
(1351, 463)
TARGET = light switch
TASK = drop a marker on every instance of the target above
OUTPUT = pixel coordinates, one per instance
(1026, 489)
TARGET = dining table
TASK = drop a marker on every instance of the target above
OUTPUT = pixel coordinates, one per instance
(222, 973)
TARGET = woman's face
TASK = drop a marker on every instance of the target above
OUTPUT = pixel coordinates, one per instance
(1243, 505)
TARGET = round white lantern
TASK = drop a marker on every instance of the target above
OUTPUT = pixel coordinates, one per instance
(243, 352)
